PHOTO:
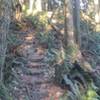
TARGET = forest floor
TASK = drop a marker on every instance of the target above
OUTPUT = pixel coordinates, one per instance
(33, 81)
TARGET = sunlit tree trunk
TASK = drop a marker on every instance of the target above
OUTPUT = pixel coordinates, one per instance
(97, 14)
(70, 25)
(31, 6)
(72, 48)
(35, 6)
(69, 30)
(38, 5)
(4, 28)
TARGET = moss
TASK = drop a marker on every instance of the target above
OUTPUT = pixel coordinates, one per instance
(72, 52)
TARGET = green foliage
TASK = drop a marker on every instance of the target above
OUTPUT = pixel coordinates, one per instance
(47, 38)
(76, 94)
(15, 26)
(4, 93)
(81, 86)
(72, 51)
(61, 17)
(92, 47)
(12, 40)
(91, 94)
(40, 20)
(8, 70)
(50, 57)
(80, 82)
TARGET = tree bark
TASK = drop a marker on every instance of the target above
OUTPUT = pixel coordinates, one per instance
(69, 25)
(97, 14)
(31, 5)
(76, 17)
(39, 5)
(72, 49)
(4, 28)
(71, 46)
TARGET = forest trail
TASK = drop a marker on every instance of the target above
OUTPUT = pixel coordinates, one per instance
(35, 82)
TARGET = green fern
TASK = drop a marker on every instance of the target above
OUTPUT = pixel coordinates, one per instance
(4, 94)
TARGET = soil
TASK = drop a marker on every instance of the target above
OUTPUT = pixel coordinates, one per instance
(33, 82)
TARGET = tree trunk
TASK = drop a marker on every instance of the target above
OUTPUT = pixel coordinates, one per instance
(72, 49)
(31, 6)
(4, 28)
(69, 30)
(72, 53)
(97, 14)
(76, 16)
(38, 5)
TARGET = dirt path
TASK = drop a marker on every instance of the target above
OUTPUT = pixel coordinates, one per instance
(34, 83)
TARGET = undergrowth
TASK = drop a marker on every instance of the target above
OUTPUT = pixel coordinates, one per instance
(12, 41)
(39, 20)
(80, 85)
(4, 92)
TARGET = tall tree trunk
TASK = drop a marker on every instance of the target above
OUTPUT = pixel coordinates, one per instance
(76, 16)
(69, 30)
(72, 48)
(65, 22)
(34, 6)
(97, 14)
(39, 5)
(70, 25)
(31, 5)
(4, 28)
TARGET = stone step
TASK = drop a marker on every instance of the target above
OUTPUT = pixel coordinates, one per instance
(34, 80)
(36, 64)
(35, 71)
(35, 57)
